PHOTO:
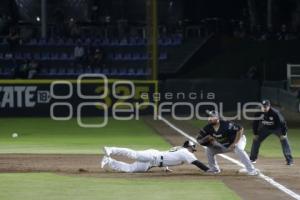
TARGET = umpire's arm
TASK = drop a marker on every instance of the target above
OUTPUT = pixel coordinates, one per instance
(282, 123)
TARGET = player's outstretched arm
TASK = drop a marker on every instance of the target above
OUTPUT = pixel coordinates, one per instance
(200, 165)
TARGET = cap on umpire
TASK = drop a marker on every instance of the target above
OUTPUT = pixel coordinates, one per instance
(266, 103)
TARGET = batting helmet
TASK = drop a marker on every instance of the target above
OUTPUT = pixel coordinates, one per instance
(191, 144)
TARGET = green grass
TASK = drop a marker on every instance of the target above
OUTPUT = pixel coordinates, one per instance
(36, 186)
(43, 135)
(271, 147)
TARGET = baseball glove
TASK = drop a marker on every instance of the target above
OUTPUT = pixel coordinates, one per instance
(207, 140)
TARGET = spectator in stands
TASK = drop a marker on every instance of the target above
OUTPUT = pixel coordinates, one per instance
(283, 34)
(2, 24)
(59, 22)
(79, 52)
(297, 33)
(32, 69)
(13, 38)
(97, 59)
(6, 24)
(21, 72)
(252, 73)
(240, 31)
(270, 34)
(28, 70)
(74, 30)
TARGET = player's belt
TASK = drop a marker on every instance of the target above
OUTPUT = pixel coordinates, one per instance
(161, 161)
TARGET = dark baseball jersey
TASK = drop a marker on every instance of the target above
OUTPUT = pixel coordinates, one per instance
(271, 120)
(225, 134)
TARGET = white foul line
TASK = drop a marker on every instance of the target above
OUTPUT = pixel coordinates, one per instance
(261, 175)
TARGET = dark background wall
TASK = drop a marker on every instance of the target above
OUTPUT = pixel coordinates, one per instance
(232, 57)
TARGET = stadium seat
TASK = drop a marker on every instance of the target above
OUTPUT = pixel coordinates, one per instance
(140, 72)
(163, 56)
(118, 56)
(52, 71)
(63, 56)
(114, 42)
(114, 72)
(124, 42)
(42, 42)
(79, 71)
(127, 56)
(87, 42)
(7, 71)
(97, 71)
(27, 56)
(132, 41)
(139, 42)
(8, 56)
(60, 42)
(106, 71)
(70, 71)
(51, 41)
(69, 42)
(33, 41)
(18, 56)
(45, 56)
(144, 56)
(105, 42)
(176, 40)
(136, 56)
(54, 56)
(97, 42)
(148, 71)
(61, 71)
(123, 72)
(88, 70)
(44, 71)
(167, 42)
(36, 56)
(131, 72)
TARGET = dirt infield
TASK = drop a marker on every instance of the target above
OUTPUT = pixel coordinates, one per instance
(89, 165)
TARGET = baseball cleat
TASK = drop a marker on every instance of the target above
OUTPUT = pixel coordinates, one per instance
(167, 169)
(290, 162)
(107, 151)
(214, 171)
(105, 161)
(254, 172)
(253, 161)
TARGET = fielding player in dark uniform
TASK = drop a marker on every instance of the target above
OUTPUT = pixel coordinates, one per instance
(222, 137)
(272, 122)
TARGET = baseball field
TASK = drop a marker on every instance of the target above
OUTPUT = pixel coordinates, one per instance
(59, 160)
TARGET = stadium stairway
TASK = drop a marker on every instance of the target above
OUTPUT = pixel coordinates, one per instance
(181, 54)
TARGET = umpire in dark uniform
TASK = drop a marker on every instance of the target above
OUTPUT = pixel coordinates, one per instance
(271, 122)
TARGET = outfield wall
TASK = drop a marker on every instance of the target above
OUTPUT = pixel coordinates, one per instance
(67, 98)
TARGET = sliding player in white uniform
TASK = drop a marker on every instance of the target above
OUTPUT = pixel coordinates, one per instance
(150, 158)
